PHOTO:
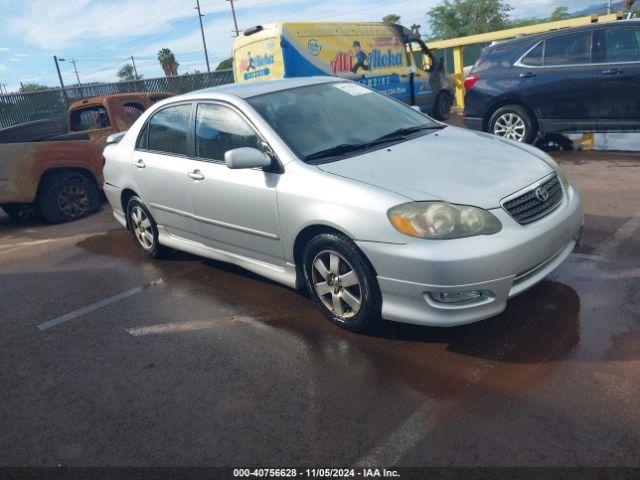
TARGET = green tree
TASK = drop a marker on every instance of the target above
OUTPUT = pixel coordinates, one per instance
(459, 18)
(127, 73)
(32, 87)
(391, 18)
(560, 13)
(226, 64)
(168, 62)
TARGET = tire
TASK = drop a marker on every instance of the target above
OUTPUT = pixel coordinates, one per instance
(31, 131)
(514, 123)
(442, 107)
(363, 288)
(22, 211)
(68, 196)
(148, 245)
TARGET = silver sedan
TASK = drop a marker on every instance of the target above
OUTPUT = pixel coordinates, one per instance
(324, 184)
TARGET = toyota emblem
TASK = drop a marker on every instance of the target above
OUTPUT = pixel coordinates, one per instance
(542, 194)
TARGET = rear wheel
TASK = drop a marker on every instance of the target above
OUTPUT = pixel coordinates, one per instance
(144, 229)
(514, 123)
(442, 107)
(341, 282)
(68, 196)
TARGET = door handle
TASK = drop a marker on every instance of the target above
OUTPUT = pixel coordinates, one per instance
(612, 71)
(527, 75)
(140, 164)
(196, 175)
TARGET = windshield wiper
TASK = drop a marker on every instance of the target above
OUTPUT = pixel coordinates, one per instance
(401, 133)
(341, 149)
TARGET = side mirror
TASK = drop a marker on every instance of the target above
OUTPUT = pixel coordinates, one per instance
(246, 157)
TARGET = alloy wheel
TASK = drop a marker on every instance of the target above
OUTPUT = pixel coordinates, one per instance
(511, 126)
(141, 226)
(336, 284)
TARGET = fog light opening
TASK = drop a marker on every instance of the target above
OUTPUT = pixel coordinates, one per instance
(469, 296)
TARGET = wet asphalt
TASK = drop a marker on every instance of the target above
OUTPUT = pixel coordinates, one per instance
(207, 364)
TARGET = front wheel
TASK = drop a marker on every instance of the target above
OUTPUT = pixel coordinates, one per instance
(514, 123)
(341, 282)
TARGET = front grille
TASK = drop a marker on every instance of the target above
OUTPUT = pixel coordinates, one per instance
(527, 207)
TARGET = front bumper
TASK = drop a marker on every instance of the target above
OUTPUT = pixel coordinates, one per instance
(500, 266)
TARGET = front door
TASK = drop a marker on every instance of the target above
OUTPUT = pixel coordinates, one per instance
(619, 98)
(163, 170)
(236, 210)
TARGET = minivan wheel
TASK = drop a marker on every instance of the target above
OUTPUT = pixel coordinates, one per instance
(341, 282)
(144, 229)
(514, 123)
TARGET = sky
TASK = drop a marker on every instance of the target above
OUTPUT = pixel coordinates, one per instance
(101, 35)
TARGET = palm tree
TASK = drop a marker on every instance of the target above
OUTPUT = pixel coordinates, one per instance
(168, 62)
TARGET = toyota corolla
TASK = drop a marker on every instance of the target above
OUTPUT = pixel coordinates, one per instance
(324, 184)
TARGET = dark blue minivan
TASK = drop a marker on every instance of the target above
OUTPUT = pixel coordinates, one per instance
(581, 79)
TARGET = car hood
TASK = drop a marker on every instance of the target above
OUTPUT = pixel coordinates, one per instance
(455, 165)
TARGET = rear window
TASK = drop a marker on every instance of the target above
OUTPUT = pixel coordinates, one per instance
(89, 118)
(534, 57)
(570, 49)
(167, 130)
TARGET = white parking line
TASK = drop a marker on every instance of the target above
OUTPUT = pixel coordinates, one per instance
(95, 306)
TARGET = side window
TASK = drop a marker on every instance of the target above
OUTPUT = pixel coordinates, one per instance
(621, 44)
(534, 57)
(142, 143)
(219, 129)
(571, 49)
(132, 111)
(89, 118)
(168, 130)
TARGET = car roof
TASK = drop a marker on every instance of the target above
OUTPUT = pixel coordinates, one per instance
(543, 35)
(252, 89)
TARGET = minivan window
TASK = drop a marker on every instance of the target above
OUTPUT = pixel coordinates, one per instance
(220, 129)
(168, 130)
(570, 49)
(622, 44)
(534, 57)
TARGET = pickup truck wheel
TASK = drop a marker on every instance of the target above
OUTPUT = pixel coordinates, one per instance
(442, 107)
(68, 196)
(144, 230)
(22, 211)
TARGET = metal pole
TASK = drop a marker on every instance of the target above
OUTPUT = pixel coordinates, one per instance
(235, 21)
(135, 70)
(64, 91)
(609, 8)
(76, 70)
(204, 42)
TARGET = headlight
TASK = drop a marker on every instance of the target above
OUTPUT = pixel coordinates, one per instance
(561, 175)
(440, 220)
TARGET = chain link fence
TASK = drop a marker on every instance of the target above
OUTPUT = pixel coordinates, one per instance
(18, 108)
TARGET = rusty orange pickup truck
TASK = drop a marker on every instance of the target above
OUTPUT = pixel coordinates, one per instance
(44, 172)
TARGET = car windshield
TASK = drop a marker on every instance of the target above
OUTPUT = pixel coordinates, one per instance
(327, 121)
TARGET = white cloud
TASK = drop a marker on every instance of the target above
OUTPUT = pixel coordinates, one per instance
(4, 49)
(2, 67)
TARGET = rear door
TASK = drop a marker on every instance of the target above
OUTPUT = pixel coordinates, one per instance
(163, 170)
(619, 70)
(557, 78)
